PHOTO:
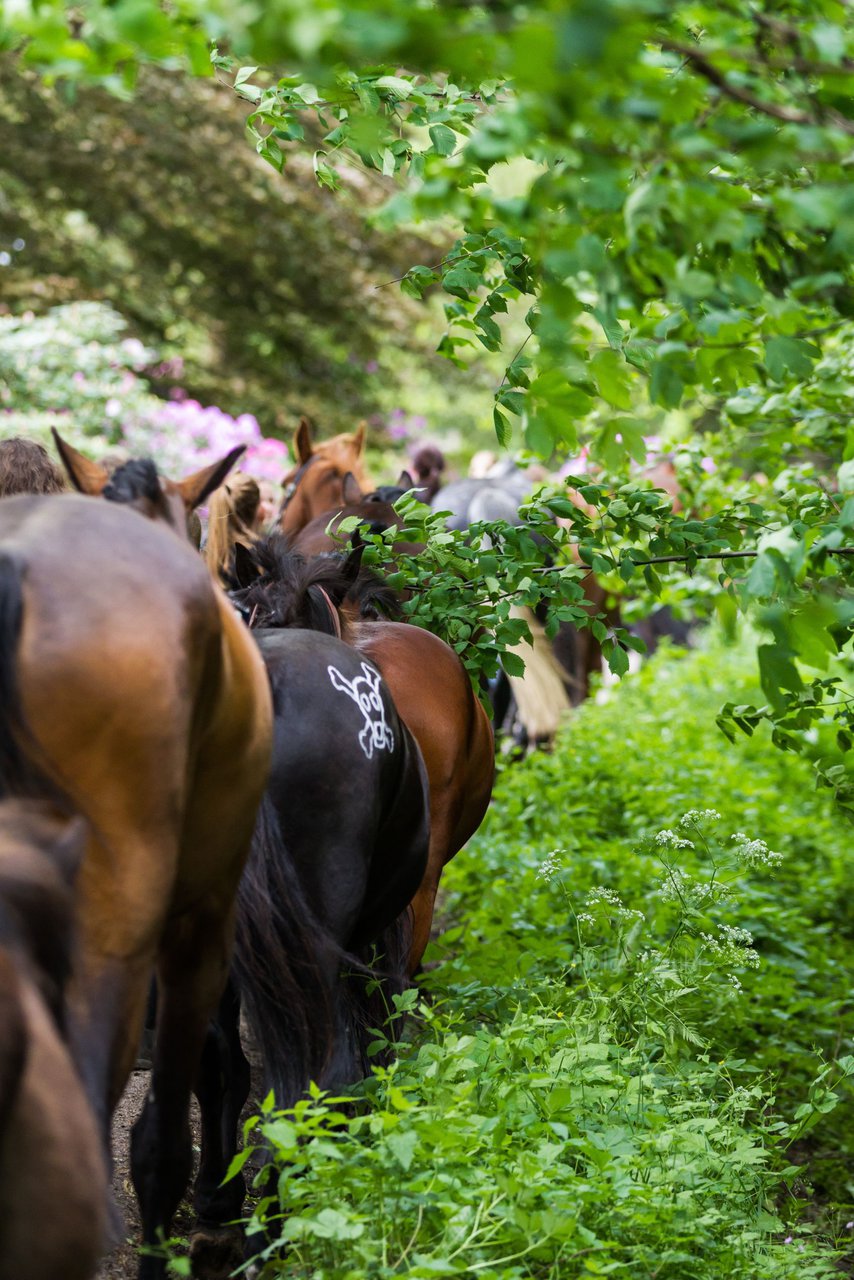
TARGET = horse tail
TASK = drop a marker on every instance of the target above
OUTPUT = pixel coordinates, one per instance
(277, 965)
(379, 973)
(23, 768)
(20, 774)
(302, 1027)
(13, 1039)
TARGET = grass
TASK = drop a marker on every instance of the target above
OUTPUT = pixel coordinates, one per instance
(634, 1023)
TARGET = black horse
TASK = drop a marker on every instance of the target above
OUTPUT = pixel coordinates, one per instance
(339, 849)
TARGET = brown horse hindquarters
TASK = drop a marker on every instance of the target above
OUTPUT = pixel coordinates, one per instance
(152, 708)
(435, 700)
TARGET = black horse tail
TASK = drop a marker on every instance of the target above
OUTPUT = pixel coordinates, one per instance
(21, 773)
(284, 961)
(13, 1039)
(277, 965)
(379, 973)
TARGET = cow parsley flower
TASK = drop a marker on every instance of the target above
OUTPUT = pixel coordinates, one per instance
(755, 853)
(670, 840)
(695, 816)
(550, 866)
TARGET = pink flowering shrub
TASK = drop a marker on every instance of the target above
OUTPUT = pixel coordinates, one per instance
(72, 369)
(184, 435)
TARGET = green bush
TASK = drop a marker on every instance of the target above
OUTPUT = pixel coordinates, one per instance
(636, 1023)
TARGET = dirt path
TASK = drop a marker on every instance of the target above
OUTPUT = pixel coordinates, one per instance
(122, 1262)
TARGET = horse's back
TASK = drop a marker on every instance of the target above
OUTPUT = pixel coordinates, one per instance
(434, 696)
(346, 771)
(435, 699)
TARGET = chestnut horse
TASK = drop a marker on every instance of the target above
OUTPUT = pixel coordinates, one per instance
(50, 1148)
(374, 511)
(428, 683)
(316, 483)
(128, 685)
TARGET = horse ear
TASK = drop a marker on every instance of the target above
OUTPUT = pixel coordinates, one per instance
(87, 476)
(246, 571)
(352, 491)
(359, 436)
(352, 565)
(405, 481)
(195, 488)
(303, 447)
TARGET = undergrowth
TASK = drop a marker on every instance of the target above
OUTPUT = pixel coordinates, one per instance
(641, 1011)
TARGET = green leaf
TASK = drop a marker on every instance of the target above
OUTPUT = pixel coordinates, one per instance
(395, 85)
(777, 674)
(503, 429)
(513, 664)
(790, 355)
(611, 374)
(402, 1147)
(618, 660)
(444, 140)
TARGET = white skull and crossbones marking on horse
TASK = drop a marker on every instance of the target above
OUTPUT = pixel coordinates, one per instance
(365, 692)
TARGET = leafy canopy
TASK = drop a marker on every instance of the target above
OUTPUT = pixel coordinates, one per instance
(663, 189)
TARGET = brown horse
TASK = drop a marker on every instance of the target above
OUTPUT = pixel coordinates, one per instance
(316, 484)
(50, 1149)
(428, 683)
(435, 700)
(128, 684)
(374, 511)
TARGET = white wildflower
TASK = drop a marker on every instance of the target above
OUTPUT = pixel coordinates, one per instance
(733, 945)
(599, 896)
(695, 816)
(672, 841)
(550, 866)
(755, 853)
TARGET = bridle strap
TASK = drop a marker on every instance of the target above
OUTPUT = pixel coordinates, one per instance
(293, 485)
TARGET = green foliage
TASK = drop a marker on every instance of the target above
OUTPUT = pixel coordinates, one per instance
(627, 1037)
(662, 188)
(261, 293)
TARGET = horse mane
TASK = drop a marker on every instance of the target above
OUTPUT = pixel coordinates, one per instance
(133, 480)
(291, 591)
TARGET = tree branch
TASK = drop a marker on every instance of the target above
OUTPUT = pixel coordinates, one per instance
(722, 555)
(790, 115)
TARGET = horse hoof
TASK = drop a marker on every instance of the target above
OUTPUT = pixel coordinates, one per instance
(216, 1252)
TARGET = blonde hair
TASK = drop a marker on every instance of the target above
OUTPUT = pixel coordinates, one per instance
(232, 515)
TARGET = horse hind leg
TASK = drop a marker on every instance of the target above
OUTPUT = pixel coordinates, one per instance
(192, 974)
(222, 1087)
